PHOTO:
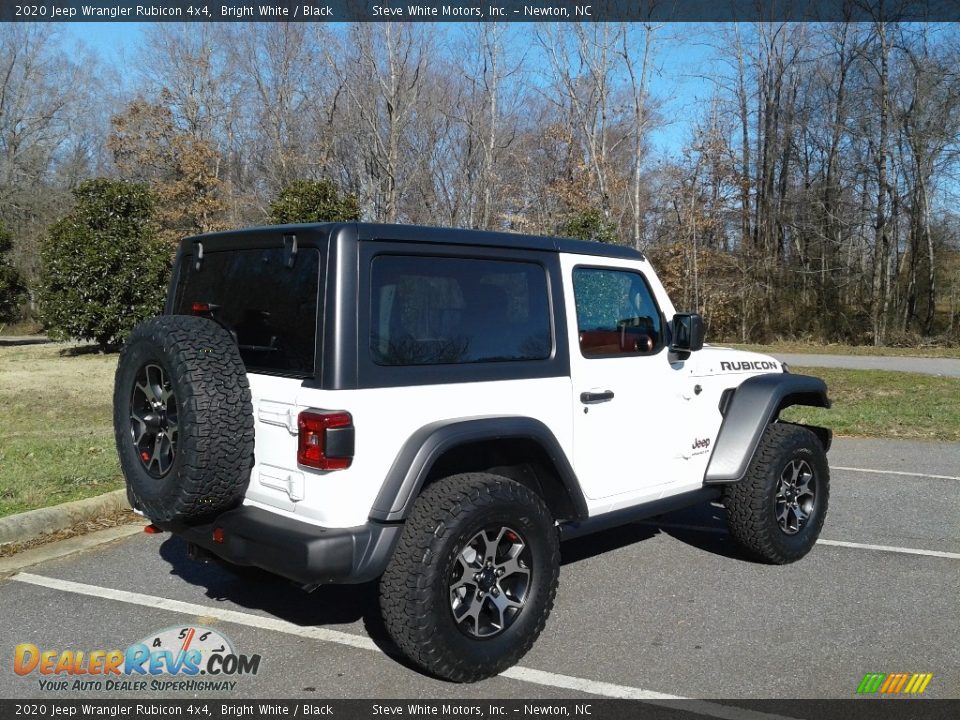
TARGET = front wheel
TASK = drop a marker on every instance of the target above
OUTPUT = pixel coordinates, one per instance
(777, 510)
(473, 577)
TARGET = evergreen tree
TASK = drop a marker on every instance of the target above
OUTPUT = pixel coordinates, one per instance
(102, 268)
(11, 284)
(308, 201)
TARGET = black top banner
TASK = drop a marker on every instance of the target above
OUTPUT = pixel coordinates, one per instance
(654, 11)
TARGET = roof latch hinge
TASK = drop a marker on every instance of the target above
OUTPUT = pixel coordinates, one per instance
(290, 240)
(199, 262)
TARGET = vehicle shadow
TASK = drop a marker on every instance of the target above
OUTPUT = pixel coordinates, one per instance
(255, 589)
(701, 526)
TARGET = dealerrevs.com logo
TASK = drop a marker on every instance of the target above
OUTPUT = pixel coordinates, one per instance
(169, 660)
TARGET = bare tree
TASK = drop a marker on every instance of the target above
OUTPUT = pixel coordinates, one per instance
(927, 109)
(48, 129)
(384, 70)
(637, 72)
(882, 285)
(581, 61)
(284, 90)
(184, 66)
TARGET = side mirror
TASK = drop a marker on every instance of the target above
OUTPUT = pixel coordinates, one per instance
(687, 336)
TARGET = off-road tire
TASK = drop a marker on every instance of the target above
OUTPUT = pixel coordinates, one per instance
(751, 503)
(415, 590)
(210, 469)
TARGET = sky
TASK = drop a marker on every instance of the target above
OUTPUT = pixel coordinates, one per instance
(675, 81)
(113, 41)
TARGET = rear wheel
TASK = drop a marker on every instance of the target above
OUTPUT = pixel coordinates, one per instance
(473, 578)
(777, 511)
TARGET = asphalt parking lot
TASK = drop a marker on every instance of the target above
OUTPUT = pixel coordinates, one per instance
(655, 610)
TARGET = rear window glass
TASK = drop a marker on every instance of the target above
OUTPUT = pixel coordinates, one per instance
(269, 308)
(436, 310)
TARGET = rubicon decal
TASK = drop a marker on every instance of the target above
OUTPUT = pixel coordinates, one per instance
(744, 365)
(894, 683)
(178, 651)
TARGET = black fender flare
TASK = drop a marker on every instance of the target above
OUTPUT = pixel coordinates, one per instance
(756, 403)
(412, 465)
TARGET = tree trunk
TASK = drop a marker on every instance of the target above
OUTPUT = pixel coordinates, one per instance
(881, 278)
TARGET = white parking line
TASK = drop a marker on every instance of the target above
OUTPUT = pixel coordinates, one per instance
(522, 674)
(240, 618)
(890, 548)
(894, 472)
(595, 687)
(821, 541)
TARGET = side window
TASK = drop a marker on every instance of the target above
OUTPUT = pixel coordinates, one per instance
(442, 310)
(616, 313)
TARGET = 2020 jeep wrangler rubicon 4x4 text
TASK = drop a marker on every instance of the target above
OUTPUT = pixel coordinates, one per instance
(437, 409)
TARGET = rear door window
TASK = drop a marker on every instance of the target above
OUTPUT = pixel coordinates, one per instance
(269, 308)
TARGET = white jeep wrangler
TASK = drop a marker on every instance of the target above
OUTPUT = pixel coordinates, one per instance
(438, 409)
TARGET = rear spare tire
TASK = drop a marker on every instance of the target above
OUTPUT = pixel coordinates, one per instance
(183, 419)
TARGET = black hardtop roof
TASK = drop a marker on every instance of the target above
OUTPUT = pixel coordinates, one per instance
(413, 233)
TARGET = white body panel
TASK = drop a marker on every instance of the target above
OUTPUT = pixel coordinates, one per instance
(384, 419)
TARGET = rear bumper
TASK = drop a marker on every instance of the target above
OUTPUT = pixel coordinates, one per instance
(307, 554)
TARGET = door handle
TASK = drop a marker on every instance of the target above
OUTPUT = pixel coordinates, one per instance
(590, 398)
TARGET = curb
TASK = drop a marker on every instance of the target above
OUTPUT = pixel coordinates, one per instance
(63, 548)
(34, 523)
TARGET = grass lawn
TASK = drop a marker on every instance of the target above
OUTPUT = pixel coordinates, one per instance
(814, 349)
(56, 427)
(56, 434)
(877, 403)
(20, 328)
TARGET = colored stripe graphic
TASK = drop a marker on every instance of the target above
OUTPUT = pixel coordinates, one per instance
(922, 683)
(871, 682)
(898, 683)
(889, 682)
(894, 683)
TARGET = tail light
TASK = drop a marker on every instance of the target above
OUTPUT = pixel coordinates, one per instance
(325, 440)
(203, 308)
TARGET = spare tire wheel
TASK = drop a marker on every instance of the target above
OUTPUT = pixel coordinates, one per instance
(183, 419)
